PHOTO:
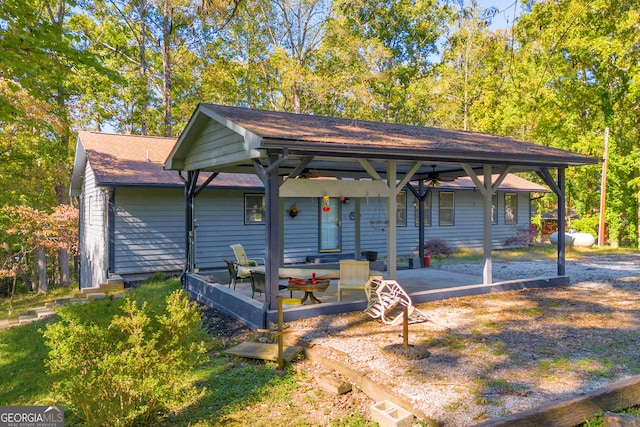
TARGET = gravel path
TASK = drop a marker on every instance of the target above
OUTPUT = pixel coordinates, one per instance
(585, 269)
(497, 354)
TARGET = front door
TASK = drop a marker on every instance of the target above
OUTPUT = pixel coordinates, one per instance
(330, 225)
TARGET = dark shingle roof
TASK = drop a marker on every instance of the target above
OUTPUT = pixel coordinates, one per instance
(132, 160)
(331, 134)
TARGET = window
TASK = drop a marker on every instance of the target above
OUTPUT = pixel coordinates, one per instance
(510, 208)
(447, 205)
(494, 209)
(254, 208)
(401, 209)
(427, 211)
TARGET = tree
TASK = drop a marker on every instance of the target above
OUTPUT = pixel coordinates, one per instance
(588, 67)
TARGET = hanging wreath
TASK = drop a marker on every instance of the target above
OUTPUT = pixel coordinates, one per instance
(293, 211)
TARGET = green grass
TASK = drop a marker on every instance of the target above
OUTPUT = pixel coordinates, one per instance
(22, 371)
(23, 300)
(235, 391)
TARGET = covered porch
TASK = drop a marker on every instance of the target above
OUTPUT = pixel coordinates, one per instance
(354, 159)
(423, 285)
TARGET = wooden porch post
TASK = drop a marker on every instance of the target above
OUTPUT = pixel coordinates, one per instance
(562, 212)
(559, 189)
(486, 188)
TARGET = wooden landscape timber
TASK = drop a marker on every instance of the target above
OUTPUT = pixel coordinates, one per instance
(375, 391)
(570, 412)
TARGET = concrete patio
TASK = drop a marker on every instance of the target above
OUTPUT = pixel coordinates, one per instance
(425, 284)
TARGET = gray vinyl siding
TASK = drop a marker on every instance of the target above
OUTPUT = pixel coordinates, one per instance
(468, 229)
(93, 232)
(149, 230)
(220, 223)
(215, 145)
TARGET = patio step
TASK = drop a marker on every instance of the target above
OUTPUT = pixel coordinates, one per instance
(27, 318)
(64, 300)
(7, 323)
(112, 286)
(41, 312)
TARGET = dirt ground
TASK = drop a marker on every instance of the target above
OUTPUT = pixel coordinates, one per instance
(489, 355)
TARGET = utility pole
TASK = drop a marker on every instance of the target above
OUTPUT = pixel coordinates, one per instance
(603, 188)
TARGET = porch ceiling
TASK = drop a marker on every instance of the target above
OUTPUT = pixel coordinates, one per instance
(332, 146)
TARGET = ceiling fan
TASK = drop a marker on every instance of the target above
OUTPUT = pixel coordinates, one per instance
(435, 179)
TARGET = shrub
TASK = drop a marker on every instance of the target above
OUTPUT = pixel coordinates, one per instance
(586, 224)
(129, 371)
(437, 248)
(525, 236)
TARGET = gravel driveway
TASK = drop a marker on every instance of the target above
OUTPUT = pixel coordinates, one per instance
(585, 269)
(501, 353)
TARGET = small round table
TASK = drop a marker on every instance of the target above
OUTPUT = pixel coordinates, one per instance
(309, 287)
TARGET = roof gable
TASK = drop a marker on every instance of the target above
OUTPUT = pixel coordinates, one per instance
(133, 160)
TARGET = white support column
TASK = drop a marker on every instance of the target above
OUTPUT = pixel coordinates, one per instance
(391, 217)
(486, 188)
(487, 271)
(358, 228)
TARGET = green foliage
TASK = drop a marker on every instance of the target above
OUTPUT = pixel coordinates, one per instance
(124, 369)
(586, 224)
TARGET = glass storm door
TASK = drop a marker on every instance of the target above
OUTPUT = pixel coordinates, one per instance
(330, 225)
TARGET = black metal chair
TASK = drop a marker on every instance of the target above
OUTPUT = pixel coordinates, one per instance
(258, 282)
(233, 273)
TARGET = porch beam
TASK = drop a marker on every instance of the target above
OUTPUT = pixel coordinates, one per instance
(206, 183)
(369, 169)
(407, 177)
(300, 168)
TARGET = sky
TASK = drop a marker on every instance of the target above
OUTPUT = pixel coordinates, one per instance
(504, 18)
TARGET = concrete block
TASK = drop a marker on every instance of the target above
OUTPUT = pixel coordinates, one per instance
(332, 384)
(96, 296)
(388, 414)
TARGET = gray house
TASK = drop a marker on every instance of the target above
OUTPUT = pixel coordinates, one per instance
(132, 214)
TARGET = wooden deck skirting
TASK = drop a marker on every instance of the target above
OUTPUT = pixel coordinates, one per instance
(570, 412)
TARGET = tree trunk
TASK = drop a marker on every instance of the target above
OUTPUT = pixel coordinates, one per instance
(64, 267)
(43, 284)
(166, 62)
(65, 137)
(144, 126)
